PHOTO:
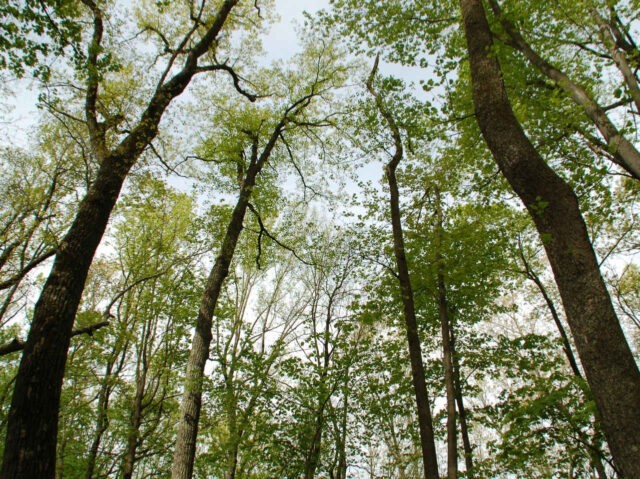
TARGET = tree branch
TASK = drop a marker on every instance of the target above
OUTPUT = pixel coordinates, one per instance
(18, 344)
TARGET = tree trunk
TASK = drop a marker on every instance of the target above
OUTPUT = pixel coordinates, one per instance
(313, 456)
(342, 445)
(443, 310)
(464, 429)
(609, 365)
(425, 422)
(30, 443)
(135, 420)
(102, 421)
(185, 449)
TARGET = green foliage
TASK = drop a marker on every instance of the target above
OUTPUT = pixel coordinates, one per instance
(32, 31)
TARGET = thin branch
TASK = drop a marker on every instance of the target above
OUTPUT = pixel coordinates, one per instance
(32, 264)
(18, 344)
(234, 76)
(265, 232)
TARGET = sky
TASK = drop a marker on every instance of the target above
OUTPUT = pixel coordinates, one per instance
(18, 111)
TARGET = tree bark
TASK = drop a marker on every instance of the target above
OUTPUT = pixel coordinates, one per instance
(102, 420)
(185, 449)
(425, 422)
(30, 444)
(609, 365)
(135, 420)
(443, 311)
(464, 429)
(313, 455)
(342, 433)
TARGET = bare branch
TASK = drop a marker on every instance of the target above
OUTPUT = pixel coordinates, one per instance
(234, 76)
(18, 344)
(265, 232)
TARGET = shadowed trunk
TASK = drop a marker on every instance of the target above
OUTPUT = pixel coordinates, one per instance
(102, 420)
(425, 422)
(462, 413)
(443, 310)
(609, 365)
(313, 456)
(30, 444)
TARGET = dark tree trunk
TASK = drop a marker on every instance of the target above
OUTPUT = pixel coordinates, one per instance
(102, 420)
(313, 455)
(135, 420)
(342, 443)
(30, 444)
(462, 413)
(425, 422)
(609, 365)
(443, 310)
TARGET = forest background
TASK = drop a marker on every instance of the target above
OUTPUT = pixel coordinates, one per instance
(226, 252)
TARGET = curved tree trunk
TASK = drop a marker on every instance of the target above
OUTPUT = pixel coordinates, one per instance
(609, 365)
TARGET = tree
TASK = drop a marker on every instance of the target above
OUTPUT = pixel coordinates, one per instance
(31, 433)
(252, 147)
(415, 354)
(603, 349)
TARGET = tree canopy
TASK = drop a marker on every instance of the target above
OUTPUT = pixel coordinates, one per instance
(219, 263)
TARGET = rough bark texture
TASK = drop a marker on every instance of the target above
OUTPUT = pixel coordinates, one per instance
(425, 422)
(30, 445)
(608, 362)
(443, 311)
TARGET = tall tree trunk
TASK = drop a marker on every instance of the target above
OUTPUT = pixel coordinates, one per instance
(30, 443)
(102, 420)
(342, 445)
(609, 365)
(313, 455)
(135, 420)
(464, 429)
(185, 449)
(443, 310)
(425, 422)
